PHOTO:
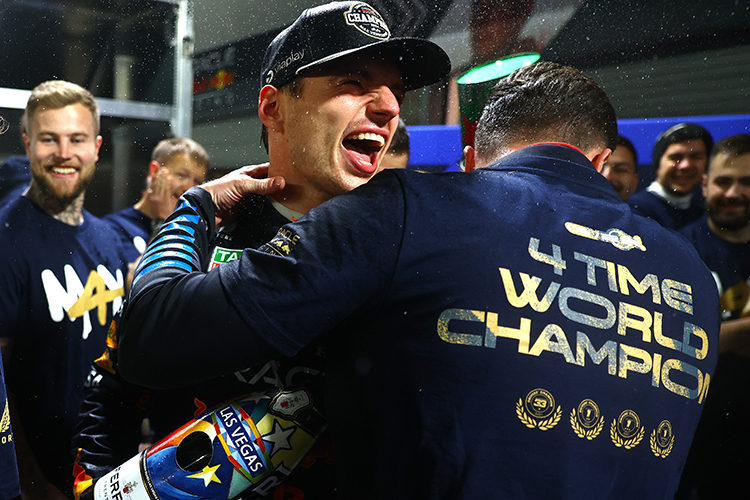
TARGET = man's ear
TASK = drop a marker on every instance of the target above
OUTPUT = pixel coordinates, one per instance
(268, 106)
(600, 159)
(469, 157)
(704, 185)
(153, 167)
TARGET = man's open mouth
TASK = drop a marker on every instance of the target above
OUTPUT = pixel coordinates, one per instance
(365, 145)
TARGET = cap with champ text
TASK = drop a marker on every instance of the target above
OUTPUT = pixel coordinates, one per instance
(338, 29)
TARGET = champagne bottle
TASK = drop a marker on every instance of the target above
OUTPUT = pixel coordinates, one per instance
(252, 442)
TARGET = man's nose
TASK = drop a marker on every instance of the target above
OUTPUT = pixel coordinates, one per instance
(733, 191)
(686, 162)
(63, 148)
(385, 103)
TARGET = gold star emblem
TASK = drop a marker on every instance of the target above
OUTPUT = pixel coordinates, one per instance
(208, 474)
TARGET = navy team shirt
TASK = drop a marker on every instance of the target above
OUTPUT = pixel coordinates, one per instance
(134, 227)
(650, 205)
(60, 286)
(729, 262)
(9, 484)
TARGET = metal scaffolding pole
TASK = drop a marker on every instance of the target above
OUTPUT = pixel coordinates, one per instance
(184, 42)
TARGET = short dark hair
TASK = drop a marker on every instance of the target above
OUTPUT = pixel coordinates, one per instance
(400, 142)
(625, 142)
(734, 145)
(543, 102)
(293, 88)
(682, 132)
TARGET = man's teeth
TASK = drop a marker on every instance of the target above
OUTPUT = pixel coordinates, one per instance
(63, 170)
(367, 136)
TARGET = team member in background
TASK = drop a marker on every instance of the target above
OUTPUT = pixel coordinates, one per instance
(14, 178)
(328, 119)
(483, 330)
(61, 281)
(176, 164)
(718, 458)
(397, 155)
(680, 156)
(621, 169)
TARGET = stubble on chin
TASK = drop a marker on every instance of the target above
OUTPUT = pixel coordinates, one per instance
(729, 222)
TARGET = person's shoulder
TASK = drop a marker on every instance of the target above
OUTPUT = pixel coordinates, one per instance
(420, 178)
(696, 229)
(671, 249)
(17, 215)
(130, 213)
(99, 224)
(392, 184)
(117, 215)
(22, 231)
(641, 197)
(130, 221)
(104, 236)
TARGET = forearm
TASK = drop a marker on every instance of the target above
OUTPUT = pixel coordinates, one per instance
(735, 337)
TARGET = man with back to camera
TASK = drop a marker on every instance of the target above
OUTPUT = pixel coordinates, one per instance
(680, 156)
(354, 85)
(489, 334)
(717, 459)
(61, 281)
(621, 169)
(177, 164)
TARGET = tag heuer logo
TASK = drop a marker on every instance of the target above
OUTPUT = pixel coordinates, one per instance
(367, 20)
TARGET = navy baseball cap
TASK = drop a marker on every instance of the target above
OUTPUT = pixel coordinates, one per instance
(339, 29)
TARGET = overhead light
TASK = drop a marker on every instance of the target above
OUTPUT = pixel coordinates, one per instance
(474, 86)
(498, 69)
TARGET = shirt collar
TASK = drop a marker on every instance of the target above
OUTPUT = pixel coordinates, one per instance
(288, 213)
(682, 201)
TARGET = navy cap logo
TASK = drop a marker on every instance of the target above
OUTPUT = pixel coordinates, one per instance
(367, 20)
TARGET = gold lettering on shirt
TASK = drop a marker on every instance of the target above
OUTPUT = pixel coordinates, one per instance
(97, 296)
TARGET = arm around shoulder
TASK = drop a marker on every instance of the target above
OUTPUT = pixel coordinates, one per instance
(176, 315)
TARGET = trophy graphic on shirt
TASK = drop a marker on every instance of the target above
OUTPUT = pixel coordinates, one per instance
(250, 443)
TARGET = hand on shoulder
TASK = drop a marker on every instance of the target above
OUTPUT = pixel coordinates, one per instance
(228, 191)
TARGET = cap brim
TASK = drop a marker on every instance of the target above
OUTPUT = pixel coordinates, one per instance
(421, 62)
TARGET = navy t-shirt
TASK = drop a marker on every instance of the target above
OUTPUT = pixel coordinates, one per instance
(15, 175)
(60, 286)
(649, 205)
(134, 227)
(729, 263)
(9, 485)
(718, 458)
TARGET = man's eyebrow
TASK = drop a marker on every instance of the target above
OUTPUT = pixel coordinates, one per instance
(368, 74)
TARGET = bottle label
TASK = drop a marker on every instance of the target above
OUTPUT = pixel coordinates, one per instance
(123, 483)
